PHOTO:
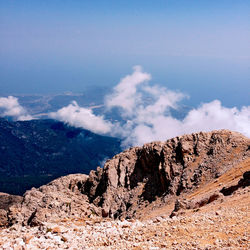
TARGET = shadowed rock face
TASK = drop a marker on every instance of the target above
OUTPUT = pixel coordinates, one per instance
(135, 178)
(244, 182)
(6, 201)
(163, 169)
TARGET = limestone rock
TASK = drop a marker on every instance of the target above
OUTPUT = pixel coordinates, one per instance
(6, 201)
(140, 175)
(60, 199)
(135, 178)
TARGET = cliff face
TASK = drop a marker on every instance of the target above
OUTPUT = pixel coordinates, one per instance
(158, 172)
(168, 169)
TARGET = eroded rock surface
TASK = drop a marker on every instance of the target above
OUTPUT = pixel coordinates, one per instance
(52, 202)
(135, 178)
(6, 201)
(139, 175)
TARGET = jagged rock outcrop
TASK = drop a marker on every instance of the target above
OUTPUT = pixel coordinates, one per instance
(60, 199)
(139, 175)
(135, 178)
(6, 201)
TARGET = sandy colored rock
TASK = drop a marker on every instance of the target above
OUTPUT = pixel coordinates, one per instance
(139, 176)
(57, 200)
(190, 192)
(138, 180)
(203, 229)
(6, 201)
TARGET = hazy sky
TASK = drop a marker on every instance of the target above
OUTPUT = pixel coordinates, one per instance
(199, 47)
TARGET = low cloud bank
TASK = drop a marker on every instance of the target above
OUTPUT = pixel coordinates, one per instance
(207, 117)
(146, 110)
(78, 116)
(9, 106)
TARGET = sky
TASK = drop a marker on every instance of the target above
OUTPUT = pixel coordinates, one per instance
(201, 48)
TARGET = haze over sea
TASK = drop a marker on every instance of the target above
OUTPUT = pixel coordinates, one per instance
(199, 47)
(195, 53)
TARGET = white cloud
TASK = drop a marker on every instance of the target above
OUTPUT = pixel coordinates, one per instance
(152, 121)
(125, 94)
(207, 117)
(12, 108)
(146, 111)
(213, 115)
(82, 117)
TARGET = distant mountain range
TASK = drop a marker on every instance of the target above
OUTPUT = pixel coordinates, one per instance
(34, 152)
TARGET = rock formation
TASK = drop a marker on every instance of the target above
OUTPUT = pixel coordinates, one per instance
(139, 175)
(58, 199)
(6, 201)
(155, 173)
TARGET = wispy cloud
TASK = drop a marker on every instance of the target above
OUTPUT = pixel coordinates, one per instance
(11, 107)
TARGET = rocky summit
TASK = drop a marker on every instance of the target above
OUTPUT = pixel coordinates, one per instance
(189, 192)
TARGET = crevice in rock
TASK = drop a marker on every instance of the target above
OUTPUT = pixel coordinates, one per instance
(179, 158)
(30, 221)
(181, 186)
(102, 186)
(195, 148)
(157, 182)
(128, 205)
(119, 172)
(179, 154)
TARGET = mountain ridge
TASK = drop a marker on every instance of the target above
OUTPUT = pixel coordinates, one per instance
(189, 192)
(156, 173)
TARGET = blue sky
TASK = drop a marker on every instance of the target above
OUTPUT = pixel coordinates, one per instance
(199, 47)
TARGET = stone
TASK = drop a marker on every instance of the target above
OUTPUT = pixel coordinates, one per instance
(135, 179)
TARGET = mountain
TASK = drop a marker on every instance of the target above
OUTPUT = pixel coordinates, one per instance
(35, 152)
(189, 192)
(135, 179)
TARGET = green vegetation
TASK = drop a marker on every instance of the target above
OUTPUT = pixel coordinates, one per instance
(32, 153)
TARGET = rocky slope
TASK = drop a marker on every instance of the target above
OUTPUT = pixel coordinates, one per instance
(190, 192)
(142, 181)
(132, 180)
(6, 201)
(219, 225)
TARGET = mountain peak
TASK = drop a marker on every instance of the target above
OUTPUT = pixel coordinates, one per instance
(126, 187)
